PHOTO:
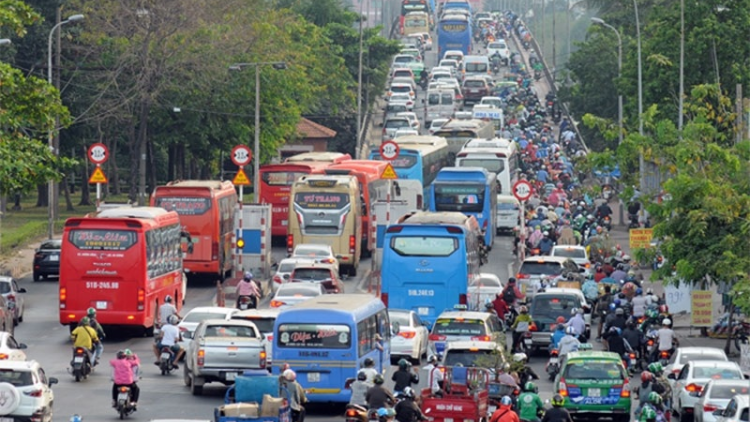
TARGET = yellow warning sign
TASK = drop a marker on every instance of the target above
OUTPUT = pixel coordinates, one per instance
(388, 173)
(241, 178)
(98, 176)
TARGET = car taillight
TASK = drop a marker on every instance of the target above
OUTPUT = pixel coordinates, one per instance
(407, 334)
(462, 299)
(481, 338)
(290, 243)
(141, 299)
(63, 297)
(263, 357)
(632, 356)
(270, 337)
(351, 413)
(33, 393)
(533, 327)
(215, 250)
(201, 357)
(276, 303)
(522, 276)
(710, 407)
(650, 343)
(436, 337)
(384, 298)
(38, 256)
(693, 388)
(352, 244)
(277, 279)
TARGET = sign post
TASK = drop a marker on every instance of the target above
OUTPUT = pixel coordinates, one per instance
(389, 151)
(98, 154)
(522, 192)
(241, 156)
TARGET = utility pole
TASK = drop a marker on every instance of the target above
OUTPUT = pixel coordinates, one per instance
(358, 144)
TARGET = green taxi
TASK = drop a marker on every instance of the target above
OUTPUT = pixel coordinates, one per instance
(593, 384)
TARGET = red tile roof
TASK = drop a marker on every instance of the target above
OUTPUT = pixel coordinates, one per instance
(309, 129)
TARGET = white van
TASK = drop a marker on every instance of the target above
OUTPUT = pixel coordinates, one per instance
(476, 66)
(440, 103)
(508, 213)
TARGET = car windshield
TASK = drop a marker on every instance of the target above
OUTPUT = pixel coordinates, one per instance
(569, 252)
(397, 123)
(401, 317)
(229, 331)
(594, 370)
(401, 88)
(202, 316)
(462, 327)
(728, 391)
(507, 206)
(51, 245)
(404, 59)
(483, 358)
(687, 357)
(541, 268)
(291, 291)
(474, 84)
(486, 282)
(717, 373)
(547, 307)
(4, 287)
(286, 267)
(16, 377)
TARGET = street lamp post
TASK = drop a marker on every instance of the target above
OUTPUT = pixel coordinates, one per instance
(256, 145)
(50, 136)
(641, 161)
(619, 71)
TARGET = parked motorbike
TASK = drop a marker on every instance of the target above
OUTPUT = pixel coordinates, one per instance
(124, 405)
(166, 358)
(553, 365)
(245, 302)
(80, 366)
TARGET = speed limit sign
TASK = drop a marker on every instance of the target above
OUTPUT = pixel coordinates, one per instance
(98, 153)
(522, 190)
(389, 150)
(241, 155)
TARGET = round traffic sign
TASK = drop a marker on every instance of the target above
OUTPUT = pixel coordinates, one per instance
(98, 153)
(389, 150)
(241, 155)
(522, 190)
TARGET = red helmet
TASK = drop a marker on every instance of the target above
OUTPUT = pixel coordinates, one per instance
(560, 320)
(646, 376)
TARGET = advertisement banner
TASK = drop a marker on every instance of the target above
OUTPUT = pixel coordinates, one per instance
(701, 307)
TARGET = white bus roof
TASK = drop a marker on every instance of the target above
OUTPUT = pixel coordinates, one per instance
(132, 212)
(489, 143)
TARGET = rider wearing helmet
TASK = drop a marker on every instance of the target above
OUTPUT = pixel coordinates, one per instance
(370, 370)
(520, 327)
(570, 342)
(378, 395)
(648, 415)
(297, 397)
(435, 376)
(530, 405)
(557, 413)
(639, 303)
(559, 332)
(247, 288)
(666, 338)
(385, 414)
(84, 336)
(504, 413)
(93, 323)
(359, 389)
(404, 376)
(406, 409)
(122, 376)
(167, 309)
(170, 336)
(664, 387)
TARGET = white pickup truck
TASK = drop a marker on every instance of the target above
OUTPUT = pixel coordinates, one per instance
(220, 350)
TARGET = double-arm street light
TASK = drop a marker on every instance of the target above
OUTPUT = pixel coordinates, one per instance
(619, 70)
(256, 146)
(50, 137)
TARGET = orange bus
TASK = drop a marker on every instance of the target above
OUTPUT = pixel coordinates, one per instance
(207, 209)
(277, 179)
(372, 188)
(122, 262)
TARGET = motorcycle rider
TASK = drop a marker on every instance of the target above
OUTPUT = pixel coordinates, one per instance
(559, 333)
(359, 389)
(84, 336)
(93, 323)
(661, 380)
(616, 343)
(525, 373)
(435, 376)
(501, 308)
(603, 211)
(166, 310)
(406, 409)
(648, 415)
(520, 327)
(667, 339)
(654, 402)
(297, 397)
(247, 288)
(577, 322)
(378, 395)
(530, 405)
(403, 377)
(556, 413)
(169, 337)
(504, 413)
(569, 343)
(122, 376)
(512, 287)
(634, 337)
(546, 244)
(370, 370)
(639, 303)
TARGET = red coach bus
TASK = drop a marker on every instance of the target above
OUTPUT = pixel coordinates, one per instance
(277, 179)
(121, 262)
(372, 188)
(207, 209)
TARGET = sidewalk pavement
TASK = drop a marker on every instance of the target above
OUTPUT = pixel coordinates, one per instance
(18, 263)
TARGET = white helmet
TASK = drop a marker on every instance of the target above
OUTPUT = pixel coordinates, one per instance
(173, 320)
(666, 321)
(570, 330)
(289, 375)
(519, 357)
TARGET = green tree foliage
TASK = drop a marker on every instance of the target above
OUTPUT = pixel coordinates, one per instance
(28, 109)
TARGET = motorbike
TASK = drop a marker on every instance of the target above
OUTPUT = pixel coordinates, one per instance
(606, 222)
(553, 365)
(80, 366)
(526, 45)
(495, 69)
(166, 357)
(631, 361)
(356, 413)
(664, 356)
(537, 74)
(245, 302)
(124, 405)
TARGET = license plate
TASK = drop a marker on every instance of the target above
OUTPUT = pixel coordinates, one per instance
(473, 91)
(553, 361)
(593, 392)
(77, 359)
(54, 257)
(527, 341)
(423, 311)
(313, 377)
(448, 420)
(284, 222)
(230, 376)
(101, 304)
(122, 397)
(165, 355)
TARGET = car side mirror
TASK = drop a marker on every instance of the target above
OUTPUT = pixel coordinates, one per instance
(423, 101)
(22, 290)
(52, 380)
(22, 346)
(672, 376)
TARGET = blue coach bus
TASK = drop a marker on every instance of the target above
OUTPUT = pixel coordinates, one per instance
(326, 340)
(420, 158)
(469, 190)
(454, 33)
(428, 261)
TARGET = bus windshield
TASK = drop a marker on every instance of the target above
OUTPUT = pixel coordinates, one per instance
(424, 246)
(184, 205)
(459, 197)
(311, 336)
